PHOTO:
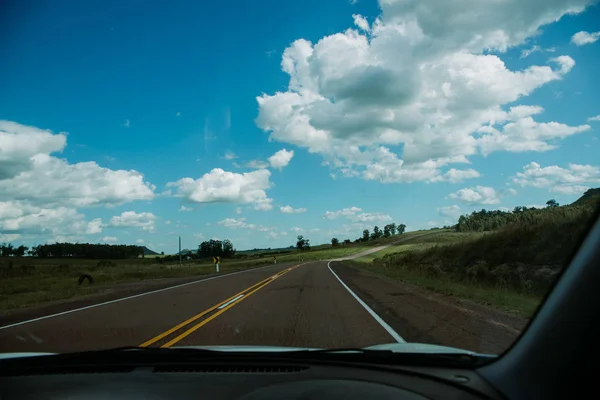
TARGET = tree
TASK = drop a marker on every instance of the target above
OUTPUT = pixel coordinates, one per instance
(20, 251)
(301, 243)
(228, 250)
(552, 203)
(401, 228)
(162, 253)
(387, 230)
(393, 228)
(376, 233)
(365, 236)
(335, 242)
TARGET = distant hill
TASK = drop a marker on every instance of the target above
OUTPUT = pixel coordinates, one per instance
(148, 252)
(590, 196)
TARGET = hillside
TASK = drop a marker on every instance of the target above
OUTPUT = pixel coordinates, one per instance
(591, 196)
(148, 252)
(524, 253)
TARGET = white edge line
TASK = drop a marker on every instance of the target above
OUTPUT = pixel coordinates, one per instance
(381, 322)
(128, 297)
(229, 302)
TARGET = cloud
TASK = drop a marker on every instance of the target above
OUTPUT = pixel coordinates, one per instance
(167, 222)
(55, 181)
(131, 219)
(263, 205)
(281, 159)
(109, 239)
(344, 212)
(230, 155)
(139, 241)
(178, 114)
(256, 164)
(355, 214)
(523, 133)
(452, 211)
(236, 223)
(456, 175)
(27, 219)
(20, 142)
(291, 210)
(272, 235)
(238, 210)
(527, 52)
(596, 118)
(184, 208)
(127, 123)
(11, 237)
(583, 37)
(477, 195)
(361, 22)
(29, 172)
(198, 235)
(219, 186)
(575, 179)
(422, 79)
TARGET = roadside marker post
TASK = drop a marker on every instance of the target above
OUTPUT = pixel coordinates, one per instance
(274, 260)
(217, 260)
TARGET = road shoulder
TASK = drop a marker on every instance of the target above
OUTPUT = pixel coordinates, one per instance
(419, 315)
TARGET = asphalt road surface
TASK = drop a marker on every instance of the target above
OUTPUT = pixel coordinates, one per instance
(292, 304)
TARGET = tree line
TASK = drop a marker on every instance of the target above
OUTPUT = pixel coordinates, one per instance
(216, 248)
(377, 233)
(484, 220)
(73, 250)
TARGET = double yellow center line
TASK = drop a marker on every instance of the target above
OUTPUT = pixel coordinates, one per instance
(213, 312)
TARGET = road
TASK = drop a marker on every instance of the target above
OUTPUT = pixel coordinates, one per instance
(293, 304)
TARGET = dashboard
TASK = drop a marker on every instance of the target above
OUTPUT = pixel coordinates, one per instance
(249, 382)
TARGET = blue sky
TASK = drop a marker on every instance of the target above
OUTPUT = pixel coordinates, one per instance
(115, 115)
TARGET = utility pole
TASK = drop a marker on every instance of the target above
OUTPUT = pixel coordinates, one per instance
(180, 251)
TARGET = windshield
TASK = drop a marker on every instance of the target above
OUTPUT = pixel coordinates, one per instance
(291, 174)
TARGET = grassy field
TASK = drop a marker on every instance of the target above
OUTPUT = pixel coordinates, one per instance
(520, 302)
(422, 241)
(33, 281)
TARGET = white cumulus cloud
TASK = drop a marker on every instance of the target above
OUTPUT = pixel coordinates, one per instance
(356, 214)
(236, 223)
(575, 179)
(29, 172)
(281, 159)
(419, 78)
(219, 186)
(583, 37)
(477, 195)
(27, 219)
(344, 212)
(291, 210)
(131, 219)
(595, 118)
(109, 239)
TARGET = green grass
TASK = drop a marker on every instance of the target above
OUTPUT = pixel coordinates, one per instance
(392, 250)
(430, 239)
(57, 279)
(324, 254)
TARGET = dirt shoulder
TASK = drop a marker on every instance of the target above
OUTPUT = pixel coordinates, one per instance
(419, 315)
